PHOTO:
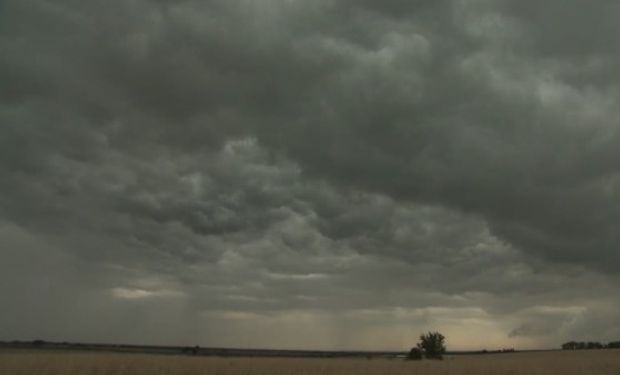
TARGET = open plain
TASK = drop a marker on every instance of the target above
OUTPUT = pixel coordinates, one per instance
(599, 362)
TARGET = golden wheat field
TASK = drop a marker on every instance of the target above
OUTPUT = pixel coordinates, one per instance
(601, 362)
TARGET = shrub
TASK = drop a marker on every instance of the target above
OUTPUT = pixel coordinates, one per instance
(415, 354)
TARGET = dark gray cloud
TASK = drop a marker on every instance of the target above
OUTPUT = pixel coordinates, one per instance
(359, 171)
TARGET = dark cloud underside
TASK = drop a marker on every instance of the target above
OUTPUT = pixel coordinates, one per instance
(357, 171)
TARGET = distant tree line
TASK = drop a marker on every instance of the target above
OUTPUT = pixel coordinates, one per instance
(581, 345)
(504, 350)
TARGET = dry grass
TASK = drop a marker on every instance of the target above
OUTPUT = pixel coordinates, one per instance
(601, 362)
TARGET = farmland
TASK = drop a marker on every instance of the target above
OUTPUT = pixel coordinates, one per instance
(32, 362)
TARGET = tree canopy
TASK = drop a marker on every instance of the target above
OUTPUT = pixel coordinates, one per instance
(432, 345)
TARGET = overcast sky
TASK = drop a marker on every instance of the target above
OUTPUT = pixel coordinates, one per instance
(320, 174)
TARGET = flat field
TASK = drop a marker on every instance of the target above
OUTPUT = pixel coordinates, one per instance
(595, 362)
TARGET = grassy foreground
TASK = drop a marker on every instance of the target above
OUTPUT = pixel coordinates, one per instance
(599, 362)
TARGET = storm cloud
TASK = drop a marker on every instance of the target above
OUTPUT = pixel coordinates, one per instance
(325, 174)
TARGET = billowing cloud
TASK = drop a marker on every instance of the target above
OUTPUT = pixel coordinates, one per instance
(214, 172)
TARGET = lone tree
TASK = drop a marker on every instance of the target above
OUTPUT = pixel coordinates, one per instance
(432, 344)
